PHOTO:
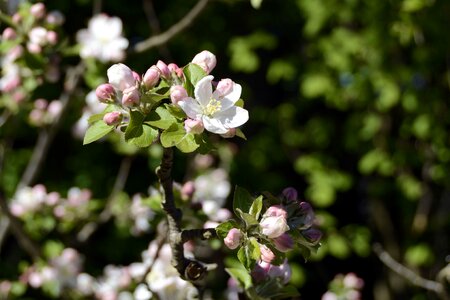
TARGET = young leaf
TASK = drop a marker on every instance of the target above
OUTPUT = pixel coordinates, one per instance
(248, 219)
(134, 128)
(96, 131)
(223, 228)
(193, 73)
(175, 135)
(240, 134)
(255, 253)
(161, 118)
(242, 200)
(145, 138)
(240, 275)
(256, 207)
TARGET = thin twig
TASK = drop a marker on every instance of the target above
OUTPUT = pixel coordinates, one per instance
(164, 37)
(406, 273)
(106, 214)
(47, 135)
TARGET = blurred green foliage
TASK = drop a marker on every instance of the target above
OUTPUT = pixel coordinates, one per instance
(348, 102)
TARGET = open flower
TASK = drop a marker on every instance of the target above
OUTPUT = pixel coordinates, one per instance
(216, 109)
(103, 39)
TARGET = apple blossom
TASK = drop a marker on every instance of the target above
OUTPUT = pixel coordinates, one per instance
(290, 193)
(121, 77)
(267, 255)
(284, 242)
(38, 36)
(177, 93)
(233, 238)
(103, 39)
(273, 227)
(164, 69)
(193, 126)
(37, 10)
(206, 60)
(275, 211)
(218, 113)
(229, 134)
(151, 77)
(9, 34)
(55, 17)
(131, 96)
(105, 93)
(113, 118)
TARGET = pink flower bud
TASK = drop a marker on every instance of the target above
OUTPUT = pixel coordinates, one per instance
(224, 87)
(177, 93)
(55, 17)
(290, 194)
(307, 214)
(136, 76)
(9, 34)
(151, 77)
(54, 108)
(266, 254)
(16, 18)
(173, 67)
(194, 126)
(105, 93)
(165, 72)
(352, 281)
(34, 48)
(130, 97)
(40, 104)
(282, 271)
(187, 190)
(113, 118)
(233, 238)
(284, 242)
(206, 60)
(273, 227)
(259, 272)
(313, 235)
(15, 52)
(38, 35)
(37, 10)
(276, 211)
(52, 37)
(229, 134)
(121, 77)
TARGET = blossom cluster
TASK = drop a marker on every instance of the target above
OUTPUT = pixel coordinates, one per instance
(346, 287)
(264, 239)
(195, 103)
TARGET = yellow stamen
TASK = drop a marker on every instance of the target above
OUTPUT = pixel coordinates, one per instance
(212, 107)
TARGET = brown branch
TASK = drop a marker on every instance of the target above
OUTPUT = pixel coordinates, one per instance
(190, 270)
(178, 27)
(408, 274)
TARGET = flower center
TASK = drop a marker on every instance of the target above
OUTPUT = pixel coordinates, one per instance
(212, 107)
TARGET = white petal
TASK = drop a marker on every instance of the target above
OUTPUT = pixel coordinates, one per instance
(214, 125)
(232, 117)
(190, 107)
(120, 77)
(234, 96)
(203, 90)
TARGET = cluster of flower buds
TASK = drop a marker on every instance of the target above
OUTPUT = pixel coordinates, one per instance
(264, 270)
(214, 111)
(45, 113)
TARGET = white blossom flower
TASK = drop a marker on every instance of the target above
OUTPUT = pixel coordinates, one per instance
(103, 39)
(215, 109)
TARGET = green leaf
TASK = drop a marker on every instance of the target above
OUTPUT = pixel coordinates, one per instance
(223, 228)
(256, 207)
(240, 275)
(97, 117)
(161, 118)
(240, 134)
(176, 111)
(255, 252)
(193, 73)
(249, 220)
(146, 138)
(249, 254)
(175, 135)
(134, 128)
(242, 200)
(96, 131)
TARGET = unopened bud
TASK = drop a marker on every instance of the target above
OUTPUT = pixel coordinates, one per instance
(194, 126)
(121, 77)
(52, 37)
(187, 190)
(233, 238)
(105, 93)
(177, 93)
(54, 109)
(130, 97)
(34, 48)
(229, 134)
(276, 211)
(266, 254)
(55, 17)
(165, 72)
(282, 271)
(206, 60)
(151, 77)
(38, 10)
(136, 76)
(273, 227)
(284, 242)
(313, 235)
(224, 87)
(9, 34)
(38, 35)
(16, 18)
(173, 67)
(290, 194)
(113, 118)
